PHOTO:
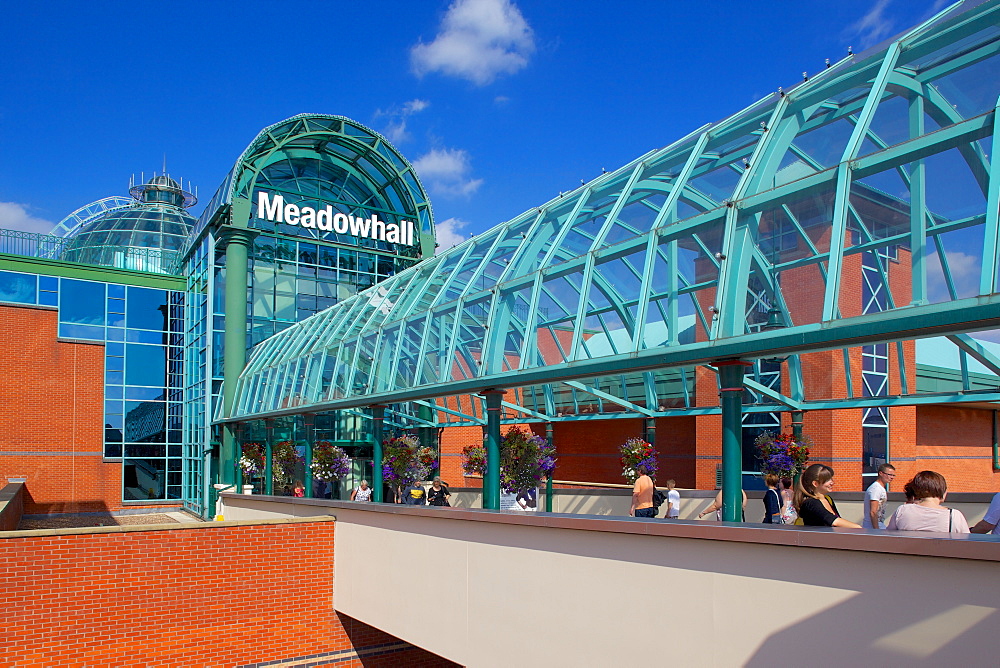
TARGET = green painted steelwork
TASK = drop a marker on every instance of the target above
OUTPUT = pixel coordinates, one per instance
(237, 243)
(491, 480)
(378, 480)
(49, 267)
(610, 296)
(731, 395)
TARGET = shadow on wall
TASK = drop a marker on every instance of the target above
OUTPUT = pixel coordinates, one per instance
(11, 505)
(381, 649)
(938, 635)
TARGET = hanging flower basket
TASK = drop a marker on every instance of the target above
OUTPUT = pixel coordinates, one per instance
(284, 459)
(329, 462)
(252, 460)
(637, 452)
(404, 462)
(525, 460)
(782, 455)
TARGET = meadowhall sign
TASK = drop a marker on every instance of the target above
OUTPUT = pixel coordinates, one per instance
(274, 209)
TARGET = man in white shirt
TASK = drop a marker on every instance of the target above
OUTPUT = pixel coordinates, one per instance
(991, 522)
(673, 501)
(875, 498)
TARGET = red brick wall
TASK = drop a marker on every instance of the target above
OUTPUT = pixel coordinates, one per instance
(957, 443)
(52, 401)
(205, 596)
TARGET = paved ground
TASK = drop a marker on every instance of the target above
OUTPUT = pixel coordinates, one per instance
(102, 520)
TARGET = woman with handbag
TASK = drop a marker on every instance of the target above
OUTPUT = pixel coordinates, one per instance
(926, 512)
(772, 500)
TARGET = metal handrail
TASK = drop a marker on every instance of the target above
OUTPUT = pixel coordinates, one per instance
(46, 246)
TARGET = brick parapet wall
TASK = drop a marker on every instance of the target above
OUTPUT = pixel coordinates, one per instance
(218, 594)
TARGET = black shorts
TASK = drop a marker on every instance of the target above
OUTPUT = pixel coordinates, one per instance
(645, 512)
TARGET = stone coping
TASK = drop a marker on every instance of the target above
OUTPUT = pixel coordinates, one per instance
(955, 497)
(913, 543)
(38, 533)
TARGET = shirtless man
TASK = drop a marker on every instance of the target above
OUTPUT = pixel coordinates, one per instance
(642, 495)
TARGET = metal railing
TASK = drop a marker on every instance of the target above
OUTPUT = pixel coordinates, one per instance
(45, 246)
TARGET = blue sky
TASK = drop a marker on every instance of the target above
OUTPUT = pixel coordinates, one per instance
(499, 104)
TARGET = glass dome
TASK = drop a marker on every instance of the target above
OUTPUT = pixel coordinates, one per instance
(146, 236)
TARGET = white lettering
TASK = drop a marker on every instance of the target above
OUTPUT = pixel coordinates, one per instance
(360, 226)
(308, 218)
(269, 209)
(324, 219)
(274, 208)
(291, 214)
(340, 223)
(378, 228)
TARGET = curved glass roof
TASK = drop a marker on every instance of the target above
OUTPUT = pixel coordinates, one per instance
(146, 235)
(324, 159)
(858, 206)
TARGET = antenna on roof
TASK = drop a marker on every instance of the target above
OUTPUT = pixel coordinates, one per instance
(164, 163)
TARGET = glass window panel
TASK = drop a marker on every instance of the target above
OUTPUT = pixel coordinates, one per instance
(82, 302)
(147, 309)
(81, 332)
(143, 479)
(145, 365)
(145, 421)
(17, 288)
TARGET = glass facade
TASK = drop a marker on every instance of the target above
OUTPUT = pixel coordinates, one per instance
(141, 329)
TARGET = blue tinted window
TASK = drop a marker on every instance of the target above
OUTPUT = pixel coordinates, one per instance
(116, 291)
(145, 365)
(18, 288)
(146, 309)
(90, 332)
(81, 302)
(145, 421)
(143, 479)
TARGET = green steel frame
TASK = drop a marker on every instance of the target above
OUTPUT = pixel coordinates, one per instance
(620, 288)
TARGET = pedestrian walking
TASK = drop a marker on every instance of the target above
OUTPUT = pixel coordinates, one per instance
(876, 496)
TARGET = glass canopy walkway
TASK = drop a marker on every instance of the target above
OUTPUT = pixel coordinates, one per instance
(857, 207)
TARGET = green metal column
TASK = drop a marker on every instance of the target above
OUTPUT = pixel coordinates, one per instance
(548, 480)
(491, 481)
(269, 456)
(797, 424)
(378, 418)
(428, 435)
(237, 243)
(310, 424)
(731, 399)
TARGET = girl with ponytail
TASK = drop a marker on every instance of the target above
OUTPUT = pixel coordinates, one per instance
(813, 502)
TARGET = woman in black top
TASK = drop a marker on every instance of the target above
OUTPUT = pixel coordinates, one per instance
(813, 502)
(772, 500)
(438, 494)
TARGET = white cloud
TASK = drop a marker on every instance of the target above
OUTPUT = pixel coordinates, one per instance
(448, 235)
(872, 27)
(14, 216)
(415, 106)
(446, 172)
(965, 270)
(477, 40)
(395, 127)
(501, 99)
